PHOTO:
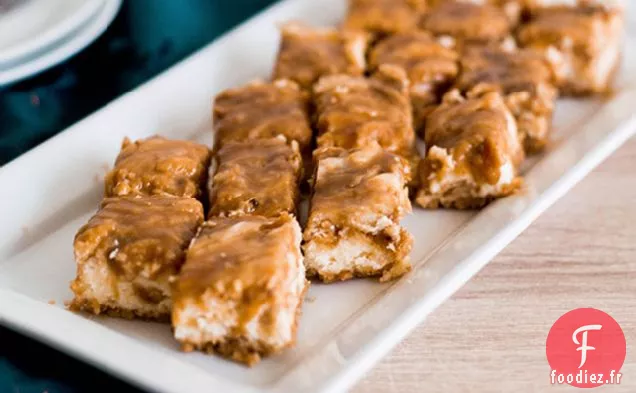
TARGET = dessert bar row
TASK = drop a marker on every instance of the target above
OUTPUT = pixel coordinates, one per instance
(365, 145)
(581, 43)
(475, 96)
(342, 112)
(233, 284)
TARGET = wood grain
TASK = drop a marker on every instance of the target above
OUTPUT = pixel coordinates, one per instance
(490, 337)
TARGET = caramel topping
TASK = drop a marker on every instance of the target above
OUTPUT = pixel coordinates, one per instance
(574, 28)
(262, 111)
(257, 177)
(505, 71)
(242, 258)
(467, 22)
(431, 68)
(479, 133)
(353, 112)
(424, 59)
(306, 53)
(351, 185)
(158, 166)
(384, 16)
(144, 236)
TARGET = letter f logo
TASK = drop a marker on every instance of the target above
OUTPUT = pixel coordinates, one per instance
(584, 347)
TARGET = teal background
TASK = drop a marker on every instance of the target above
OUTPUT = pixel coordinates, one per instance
(147, 37)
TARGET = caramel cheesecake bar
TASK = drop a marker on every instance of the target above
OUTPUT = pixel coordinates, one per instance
(353, 112)
(583, 44)
(258, 177)
(524, 78)
(384, 17)
(307, 53)
(353, 227)
(241, 288)
(431, 68)
(467, 23)
(159, 166)
(261, 110)
(129, 252)
(472, 152)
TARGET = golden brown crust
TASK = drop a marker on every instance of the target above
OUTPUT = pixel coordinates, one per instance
(262, 110)
(384, 17)
(524, 78)
(430, 67)
(94, 307)
(159, 166)
(308, 53)
(463, 199)
(256, 178)
(467, 23)
(353, 112)
(241, 349)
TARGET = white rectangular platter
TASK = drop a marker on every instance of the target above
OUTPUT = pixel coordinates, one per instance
(49, 192)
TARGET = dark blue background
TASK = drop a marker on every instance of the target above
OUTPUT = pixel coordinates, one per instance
(147, 37)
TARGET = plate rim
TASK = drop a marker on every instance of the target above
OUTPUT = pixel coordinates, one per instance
(588, 156)
(52, 35)
(14, 307)
(50, 324)
(65, 50)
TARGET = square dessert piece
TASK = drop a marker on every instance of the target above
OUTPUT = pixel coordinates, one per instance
(524, 78)
(159, 166)
(308, 53)
(472, 152)
(383, 17)
(354, 112)
(430, 66)
(467, 23)
(129, 252)
(583, 44)
(240, 291)
(261, 110)
(256, 177)
(353, 227)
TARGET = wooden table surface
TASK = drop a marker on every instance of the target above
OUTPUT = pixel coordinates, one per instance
(490, 336)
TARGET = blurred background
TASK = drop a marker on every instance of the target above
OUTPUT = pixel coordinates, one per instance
(138, 40)
(145, 38)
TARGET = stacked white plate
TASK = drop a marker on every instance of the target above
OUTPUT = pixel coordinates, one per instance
(38, 34)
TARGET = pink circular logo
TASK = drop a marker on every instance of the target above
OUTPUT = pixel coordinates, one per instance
(586, 348)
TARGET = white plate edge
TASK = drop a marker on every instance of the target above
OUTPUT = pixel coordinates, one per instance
(379, 346)
(120, 355)
(86, 36)
(53, 35)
